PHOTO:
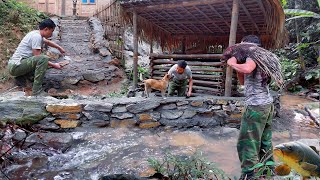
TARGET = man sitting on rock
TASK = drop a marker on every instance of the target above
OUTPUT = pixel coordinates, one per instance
(28, 59)
(180, 73)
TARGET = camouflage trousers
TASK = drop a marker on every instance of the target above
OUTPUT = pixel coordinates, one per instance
(35, 64)
(179, 85)
(254, 143)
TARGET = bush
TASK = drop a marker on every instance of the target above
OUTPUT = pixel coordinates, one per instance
(187, 167)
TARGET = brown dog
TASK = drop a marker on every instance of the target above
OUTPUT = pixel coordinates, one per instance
(160, 85)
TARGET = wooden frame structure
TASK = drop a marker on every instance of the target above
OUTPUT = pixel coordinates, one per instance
(173, 23)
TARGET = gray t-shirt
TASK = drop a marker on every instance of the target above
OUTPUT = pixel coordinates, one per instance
(257, 88)
(176, 76)
(33, 40)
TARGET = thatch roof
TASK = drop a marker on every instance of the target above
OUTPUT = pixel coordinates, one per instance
(206, 22)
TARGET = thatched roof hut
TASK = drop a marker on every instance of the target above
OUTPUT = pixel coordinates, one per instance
(203, 23)
(206, 22)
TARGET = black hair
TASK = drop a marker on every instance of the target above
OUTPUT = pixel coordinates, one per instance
(182, 64)
(252, 39)
(47, 23)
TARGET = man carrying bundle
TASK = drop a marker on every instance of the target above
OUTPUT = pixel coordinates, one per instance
(255, 66)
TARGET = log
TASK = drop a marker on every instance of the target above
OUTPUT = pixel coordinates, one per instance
(208, 83)
(207, 89)
(185, 56)
(192, 69)
(194, 76)
(190, 63)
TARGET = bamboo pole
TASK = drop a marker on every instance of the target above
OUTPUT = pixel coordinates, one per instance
(232, 40)
(135, 49)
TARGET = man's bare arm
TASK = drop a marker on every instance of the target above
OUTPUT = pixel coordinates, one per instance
(245, 68)
(54, 45)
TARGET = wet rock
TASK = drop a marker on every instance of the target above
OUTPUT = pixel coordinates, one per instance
(121, 177)
(181, 103)
(171, 114)
(169, 107)
(103, 107)
(59, 141)
(71, 80)
(46, 126)
(94, 75)
(67, 123)
(123, 123)
(142, 106)
(19, 135)
(178, 122)
(146, 125)
(101, 123)
(123, 115)
(145, 117)
(196, 103)
(93, 115)
(64, 108)
(119, 109)
(22, 112)
(188, 114)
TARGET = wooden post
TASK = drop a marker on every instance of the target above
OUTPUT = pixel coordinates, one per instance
(135, 49)
(232, 40)
(151, 43)
(183, 48)
(47, 6)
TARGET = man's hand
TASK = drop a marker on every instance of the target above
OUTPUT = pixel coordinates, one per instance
(189, 93)
(62, 51)
(232, 61)
(54, 65)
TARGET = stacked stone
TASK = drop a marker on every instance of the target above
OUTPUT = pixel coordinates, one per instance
(126, 112)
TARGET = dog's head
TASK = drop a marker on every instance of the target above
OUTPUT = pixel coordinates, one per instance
(166, 77)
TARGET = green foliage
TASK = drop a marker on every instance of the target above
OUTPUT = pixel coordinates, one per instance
(123, 92)
(143, 73)
(284, 3)
(187, 167)
(20, 15)
(299, 13)
(261, 167)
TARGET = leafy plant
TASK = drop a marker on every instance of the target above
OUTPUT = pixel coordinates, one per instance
(186, 167)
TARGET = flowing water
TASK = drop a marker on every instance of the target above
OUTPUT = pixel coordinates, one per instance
(104, 151)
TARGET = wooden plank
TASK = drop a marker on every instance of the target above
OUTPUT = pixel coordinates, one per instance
(185, 56)
(232, 40)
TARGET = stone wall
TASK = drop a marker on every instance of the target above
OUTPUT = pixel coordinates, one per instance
(53, 114)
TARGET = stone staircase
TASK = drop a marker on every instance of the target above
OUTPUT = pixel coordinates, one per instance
(83, 65)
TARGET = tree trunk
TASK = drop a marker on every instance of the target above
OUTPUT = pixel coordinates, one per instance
(297, 5)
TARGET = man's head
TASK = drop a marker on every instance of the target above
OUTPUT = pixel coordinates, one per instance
(252, 39)
(182, 64)
(46, 28)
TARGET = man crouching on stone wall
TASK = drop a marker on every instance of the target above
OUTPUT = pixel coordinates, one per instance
(180, 74)
(27, 59)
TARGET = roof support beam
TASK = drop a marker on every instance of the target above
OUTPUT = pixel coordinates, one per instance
(249, 16)
(175, 5)
(241, 25)
(219, 15)
(232, 41)
(208, 19)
